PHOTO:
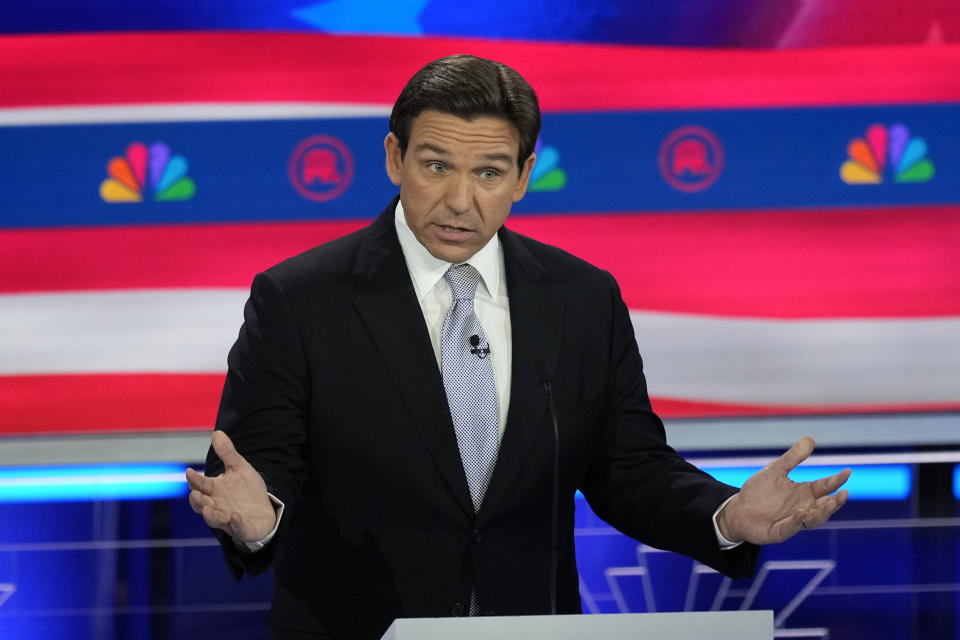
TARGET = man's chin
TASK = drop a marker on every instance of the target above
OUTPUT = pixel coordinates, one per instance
(452, 252)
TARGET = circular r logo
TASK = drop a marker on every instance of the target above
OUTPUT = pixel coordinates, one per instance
(320, 168)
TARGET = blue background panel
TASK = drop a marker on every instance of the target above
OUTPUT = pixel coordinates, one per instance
(773, 159)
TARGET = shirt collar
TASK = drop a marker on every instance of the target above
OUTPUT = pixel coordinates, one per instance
(426, 270)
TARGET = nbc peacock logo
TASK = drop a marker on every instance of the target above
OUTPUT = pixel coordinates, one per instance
(547, 174)
(887, 153)
(147, 173)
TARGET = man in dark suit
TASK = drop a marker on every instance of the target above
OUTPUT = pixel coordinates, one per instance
(389, 466)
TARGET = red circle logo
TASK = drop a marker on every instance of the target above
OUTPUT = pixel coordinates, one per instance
(691, 159)
(320, 168)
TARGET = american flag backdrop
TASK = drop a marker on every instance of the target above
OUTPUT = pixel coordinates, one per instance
(764, 274)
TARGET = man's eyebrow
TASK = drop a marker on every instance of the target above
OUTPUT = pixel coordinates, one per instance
(440, 151)
(498, 157)
(426, 146)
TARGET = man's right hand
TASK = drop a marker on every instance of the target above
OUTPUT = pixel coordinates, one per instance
(236, 501)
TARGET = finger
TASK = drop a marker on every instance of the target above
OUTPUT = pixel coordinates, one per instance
(236, 527)
(786, 528)
(796, 454)
(825, 508)
(825, 486)
(198, 501)
(223, 447)
(199, 482)
(833, 503)
(217, 518)
(841, 498)
(240, 529)
(799, 521)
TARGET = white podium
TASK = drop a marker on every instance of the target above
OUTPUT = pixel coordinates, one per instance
(713, 625)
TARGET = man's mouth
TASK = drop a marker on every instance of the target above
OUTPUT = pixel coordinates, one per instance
(449, 229)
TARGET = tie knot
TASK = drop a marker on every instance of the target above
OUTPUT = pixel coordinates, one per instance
(463, 280)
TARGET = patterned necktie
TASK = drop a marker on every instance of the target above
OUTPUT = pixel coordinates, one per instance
(468, 379)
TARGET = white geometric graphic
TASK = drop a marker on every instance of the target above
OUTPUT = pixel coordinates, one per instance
(614, 575)
(6, 590)
(823, 568)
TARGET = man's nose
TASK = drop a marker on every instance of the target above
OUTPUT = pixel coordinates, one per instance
(459, 193)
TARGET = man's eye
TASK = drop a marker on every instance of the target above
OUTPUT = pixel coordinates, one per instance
(489, 174)
(436, 167)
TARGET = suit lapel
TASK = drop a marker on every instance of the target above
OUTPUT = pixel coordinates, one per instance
(535, 320)
(392, 315)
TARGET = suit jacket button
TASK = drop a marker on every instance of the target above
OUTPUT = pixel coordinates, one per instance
(457, 609)
(476, 536)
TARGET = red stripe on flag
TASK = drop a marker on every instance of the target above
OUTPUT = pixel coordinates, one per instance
(149, 257)
(114, 403)
(676, 408)
(129, 68)
(809, 264)
(776, 264)
(108, 403)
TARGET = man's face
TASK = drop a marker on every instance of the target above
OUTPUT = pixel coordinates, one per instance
(458, 180)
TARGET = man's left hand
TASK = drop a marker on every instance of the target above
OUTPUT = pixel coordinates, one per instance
(772, 508)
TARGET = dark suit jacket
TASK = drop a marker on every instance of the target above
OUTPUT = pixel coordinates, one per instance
(333, 394)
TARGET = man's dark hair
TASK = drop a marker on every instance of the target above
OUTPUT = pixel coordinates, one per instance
(469, 87)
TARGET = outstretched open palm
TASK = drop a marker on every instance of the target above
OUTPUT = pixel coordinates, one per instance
(236, 501)
(771, 507)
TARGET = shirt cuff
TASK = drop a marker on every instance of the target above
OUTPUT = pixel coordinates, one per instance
(725, 544)
(278, 509)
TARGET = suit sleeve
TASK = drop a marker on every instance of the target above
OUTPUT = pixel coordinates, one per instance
(638, 483)
(264, 406)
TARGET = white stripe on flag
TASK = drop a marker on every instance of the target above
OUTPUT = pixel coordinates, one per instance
(186, 112)
(179, 330)
(800, 362)
(699, 358)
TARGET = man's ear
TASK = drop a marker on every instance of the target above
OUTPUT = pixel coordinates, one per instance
(520, 189)
(394, 160)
